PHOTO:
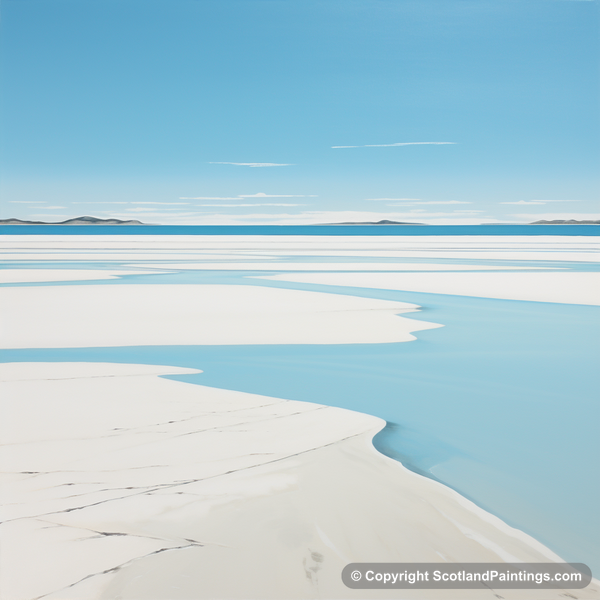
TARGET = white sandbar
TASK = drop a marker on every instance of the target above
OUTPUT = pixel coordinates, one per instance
(121, 484)
(50, 275)
(299, 242)
(562, 287)
(140, 315)
(315, 266)
(95, 256)
(236, 247)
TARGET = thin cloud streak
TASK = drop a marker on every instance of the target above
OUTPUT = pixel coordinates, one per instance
(245, 205)
(399, 144)
(414, 201)
(393, 199)
(255, 164)
(144, 203)
(242, 196)
(142, 215)
(143, 208)
(429, 202)
(522, 202)
(558, 216)
(262, 195)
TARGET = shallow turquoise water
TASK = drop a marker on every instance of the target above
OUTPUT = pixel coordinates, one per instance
(500, 404)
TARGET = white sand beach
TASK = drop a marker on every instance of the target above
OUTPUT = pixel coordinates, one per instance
(122, 484)
(95, 256)
(119, 483)
(50, 275)
(238, 247)
(324, 266)
(137, 315)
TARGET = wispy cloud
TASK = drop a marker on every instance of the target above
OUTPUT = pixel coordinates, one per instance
(252, 164)
(393, 199)
(399, 144)
(558, 216)
(242, 196)
(402, 202)
(144, 203)
(213, 198)
(538, 202)
(146, 208)
(522, 202)
(245, 205)
(262, 195)
(54, 207)
(154, 214)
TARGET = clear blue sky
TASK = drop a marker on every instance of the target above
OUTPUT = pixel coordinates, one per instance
(142, 108)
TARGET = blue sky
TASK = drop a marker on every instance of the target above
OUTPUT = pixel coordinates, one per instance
(235, 111)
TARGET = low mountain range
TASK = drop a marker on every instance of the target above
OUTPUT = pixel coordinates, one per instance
(96, 221)
(383, 222)
(564, 222)
(75, 221)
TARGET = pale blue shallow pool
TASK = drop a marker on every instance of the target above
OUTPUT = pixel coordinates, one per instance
(500, 404)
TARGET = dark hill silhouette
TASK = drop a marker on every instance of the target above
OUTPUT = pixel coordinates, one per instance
(75, 221)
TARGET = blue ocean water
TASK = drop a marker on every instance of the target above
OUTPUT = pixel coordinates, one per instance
(340, 230)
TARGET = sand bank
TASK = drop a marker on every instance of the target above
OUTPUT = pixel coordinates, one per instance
(122, 484)
(270, 242)
(518, 254)
(562, 287)
(139, 315)
(50, 275)
(322, 266)
(234, 248)
(116, 256)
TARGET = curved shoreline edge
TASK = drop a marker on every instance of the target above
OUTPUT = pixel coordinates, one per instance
(172, 486)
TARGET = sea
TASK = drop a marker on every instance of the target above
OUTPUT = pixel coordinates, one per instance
(370, 230)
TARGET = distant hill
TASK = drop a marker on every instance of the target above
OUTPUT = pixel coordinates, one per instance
(75, 221)
(563, 222)
(384, 222)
